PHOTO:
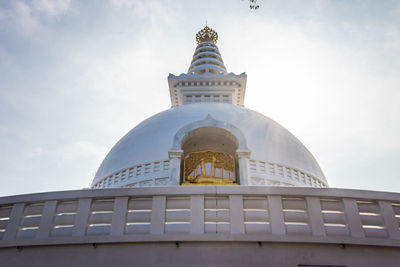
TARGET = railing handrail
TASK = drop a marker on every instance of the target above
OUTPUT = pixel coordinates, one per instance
(204, 190)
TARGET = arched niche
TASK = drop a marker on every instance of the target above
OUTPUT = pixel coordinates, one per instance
(209, 138)
(209, 157)
(209, 122)
(209, 135)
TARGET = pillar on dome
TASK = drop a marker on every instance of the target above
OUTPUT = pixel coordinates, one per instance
(243, 157)
(175, 157)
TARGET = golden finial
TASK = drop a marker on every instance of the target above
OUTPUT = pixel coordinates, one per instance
(207, 35)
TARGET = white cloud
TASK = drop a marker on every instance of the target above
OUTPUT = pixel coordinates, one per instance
(51, 8)
(27, 17)
(154, 10)
(18, 15)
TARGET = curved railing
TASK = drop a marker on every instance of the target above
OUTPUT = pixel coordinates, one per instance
(204, 213)
(146, 174)
(275, 174)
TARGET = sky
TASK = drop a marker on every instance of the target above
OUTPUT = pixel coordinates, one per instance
(75, 76)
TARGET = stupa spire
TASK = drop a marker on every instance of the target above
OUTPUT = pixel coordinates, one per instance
(206, 58)
(207, 79)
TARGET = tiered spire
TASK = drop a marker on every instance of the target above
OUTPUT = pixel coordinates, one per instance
(206, 58)
(207, 79)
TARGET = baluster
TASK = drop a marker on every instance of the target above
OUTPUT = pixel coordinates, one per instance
(353, 217)
(81, 217)
(236, 214)
(276, 215)
(315, 216)
(46, 222)
(14, 222)
(213, 167)
(203, 168)
(389, 218)
(119, 216)
(197, 214)
(158, 215)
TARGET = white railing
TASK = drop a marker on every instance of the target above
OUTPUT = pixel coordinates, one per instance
(274, 174)
(147, 174)
(206, 213)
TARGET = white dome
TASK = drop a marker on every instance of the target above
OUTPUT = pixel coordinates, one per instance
(276, 155)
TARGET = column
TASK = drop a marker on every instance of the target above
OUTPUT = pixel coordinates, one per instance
(197, 214)
(175, 157)
(236, 214)
(158, 215)
(353, 217)
(119, 216)
(315, 216)
(391, 223)
(14, 221)
(81, 217)
(276, 218)
(46, 222)
(244, 166)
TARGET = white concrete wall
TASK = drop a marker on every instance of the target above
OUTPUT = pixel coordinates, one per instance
(286, 219)
(215, 254)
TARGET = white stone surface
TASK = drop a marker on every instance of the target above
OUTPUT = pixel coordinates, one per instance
(265, 139)
(207, 80)
(202, 213)
(201, 254)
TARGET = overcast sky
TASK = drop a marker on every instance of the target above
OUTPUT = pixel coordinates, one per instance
(75, 76)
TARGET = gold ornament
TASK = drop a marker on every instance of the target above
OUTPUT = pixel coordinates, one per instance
(207, 35)
(195, 168)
